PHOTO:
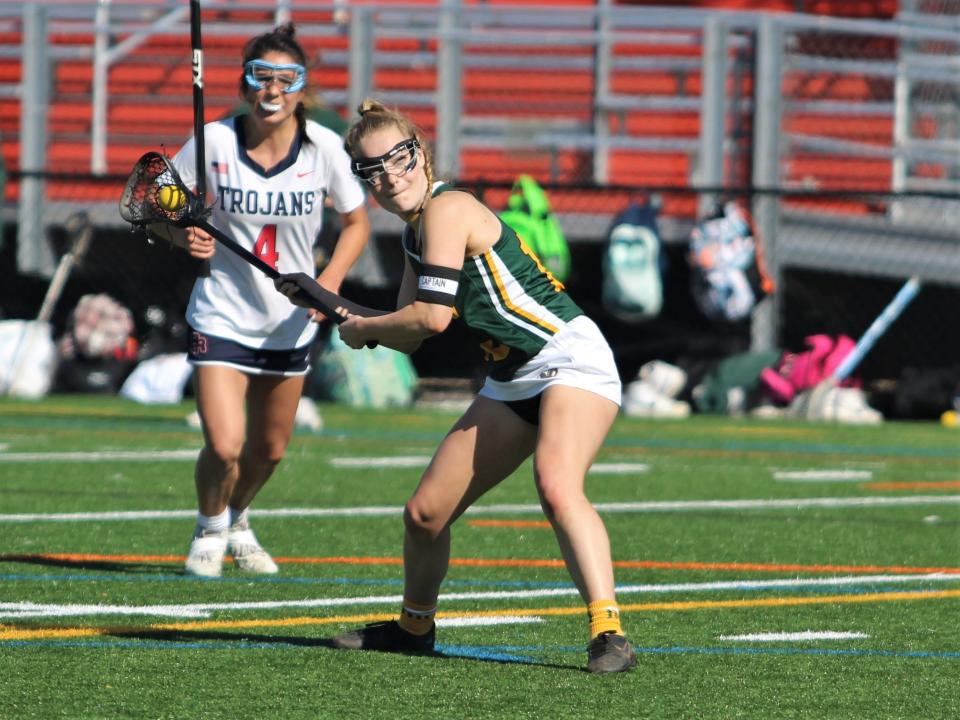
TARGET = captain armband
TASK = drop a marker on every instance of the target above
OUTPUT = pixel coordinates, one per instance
(438, 285)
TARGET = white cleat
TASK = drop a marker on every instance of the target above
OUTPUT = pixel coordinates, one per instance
(247, 553)
(205, 558)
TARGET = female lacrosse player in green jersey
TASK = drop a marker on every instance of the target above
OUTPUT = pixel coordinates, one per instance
(552, 390)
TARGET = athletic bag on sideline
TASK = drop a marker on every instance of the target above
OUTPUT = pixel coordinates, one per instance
(726, 265)
(529, 214)
(803, 370)
(373, 377)
(632, 283)
(28, 358)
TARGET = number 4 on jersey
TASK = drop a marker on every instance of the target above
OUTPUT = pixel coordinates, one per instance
(266, 246)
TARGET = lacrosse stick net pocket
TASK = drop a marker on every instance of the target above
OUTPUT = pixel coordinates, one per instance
(140, 202)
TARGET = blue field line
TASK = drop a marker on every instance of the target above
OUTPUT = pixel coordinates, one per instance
(910, 654)
(141, 644)
(153, 425)
(790, 445)
(475, 652)
(701, 443)
(452, 651)
(521, 654)
(691, 650)
(794, 446)
(138, 578)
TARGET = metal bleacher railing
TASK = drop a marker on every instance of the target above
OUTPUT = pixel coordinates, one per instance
(843, 134)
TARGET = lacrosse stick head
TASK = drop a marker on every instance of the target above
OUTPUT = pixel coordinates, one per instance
(151, 185)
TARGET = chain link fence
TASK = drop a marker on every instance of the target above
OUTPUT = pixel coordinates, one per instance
(842, 136)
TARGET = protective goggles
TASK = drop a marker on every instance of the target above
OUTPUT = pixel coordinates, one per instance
(397, 161)
(260, 73)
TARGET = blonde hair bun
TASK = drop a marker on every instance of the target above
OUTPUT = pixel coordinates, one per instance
(370, 106)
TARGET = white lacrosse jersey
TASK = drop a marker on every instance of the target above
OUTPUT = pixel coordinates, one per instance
(276, 214)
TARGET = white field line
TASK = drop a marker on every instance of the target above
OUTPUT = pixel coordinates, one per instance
(822, 475)
(510, 509)
(202, 610)
(489, 620)
(400, 461)
(99, 456)
(407, 461)
(622, 468)
(795, 636)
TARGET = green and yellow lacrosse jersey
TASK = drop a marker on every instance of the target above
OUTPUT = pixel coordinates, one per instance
(507, 299)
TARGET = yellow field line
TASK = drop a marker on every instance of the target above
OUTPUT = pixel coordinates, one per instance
(11, 632)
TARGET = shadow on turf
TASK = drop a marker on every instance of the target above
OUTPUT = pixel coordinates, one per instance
(458, 652)
(78, 564)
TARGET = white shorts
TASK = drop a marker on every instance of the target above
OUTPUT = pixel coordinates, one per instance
(577, 356)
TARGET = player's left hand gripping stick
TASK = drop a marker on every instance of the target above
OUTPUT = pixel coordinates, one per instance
(300, 288)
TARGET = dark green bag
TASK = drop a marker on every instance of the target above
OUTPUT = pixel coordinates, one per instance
(529, 214)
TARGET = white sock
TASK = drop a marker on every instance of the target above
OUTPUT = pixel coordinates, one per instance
(237, 515)
(214, 523)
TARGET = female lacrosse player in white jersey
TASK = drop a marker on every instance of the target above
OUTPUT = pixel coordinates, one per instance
(268, 174)
(553, 389)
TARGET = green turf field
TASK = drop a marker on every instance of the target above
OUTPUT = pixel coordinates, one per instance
(765, 570)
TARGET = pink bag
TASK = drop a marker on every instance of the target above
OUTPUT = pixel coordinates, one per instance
(800, 371)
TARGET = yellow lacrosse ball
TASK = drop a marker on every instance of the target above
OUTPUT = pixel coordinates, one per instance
(171, 198)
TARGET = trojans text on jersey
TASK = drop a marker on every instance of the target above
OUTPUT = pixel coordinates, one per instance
(268, 202)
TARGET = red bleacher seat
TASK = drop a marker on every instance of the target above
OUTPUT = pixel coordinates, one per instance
(829, 86)
(634, 167)
(10, 71)
(495, 164)
(840, 8)
(867, 128)
(930, 171)
(536, 3)
(644, 83)
(830, 172)
(405, 79)
(523, 81)
(658, 124)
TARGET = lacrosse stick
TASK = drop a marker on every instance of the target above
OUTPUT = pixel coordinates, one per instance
(877, 328)
(155, 193)
(196, 63)
(80, 232)
(817, 397)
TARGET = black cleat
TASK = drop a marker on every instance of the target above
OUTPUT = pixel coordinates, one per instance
(386, 637)
(609, 652)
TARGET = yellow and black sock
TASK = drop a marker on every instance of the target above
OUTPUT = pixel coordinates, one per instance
(416, 619)
(604, 617)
